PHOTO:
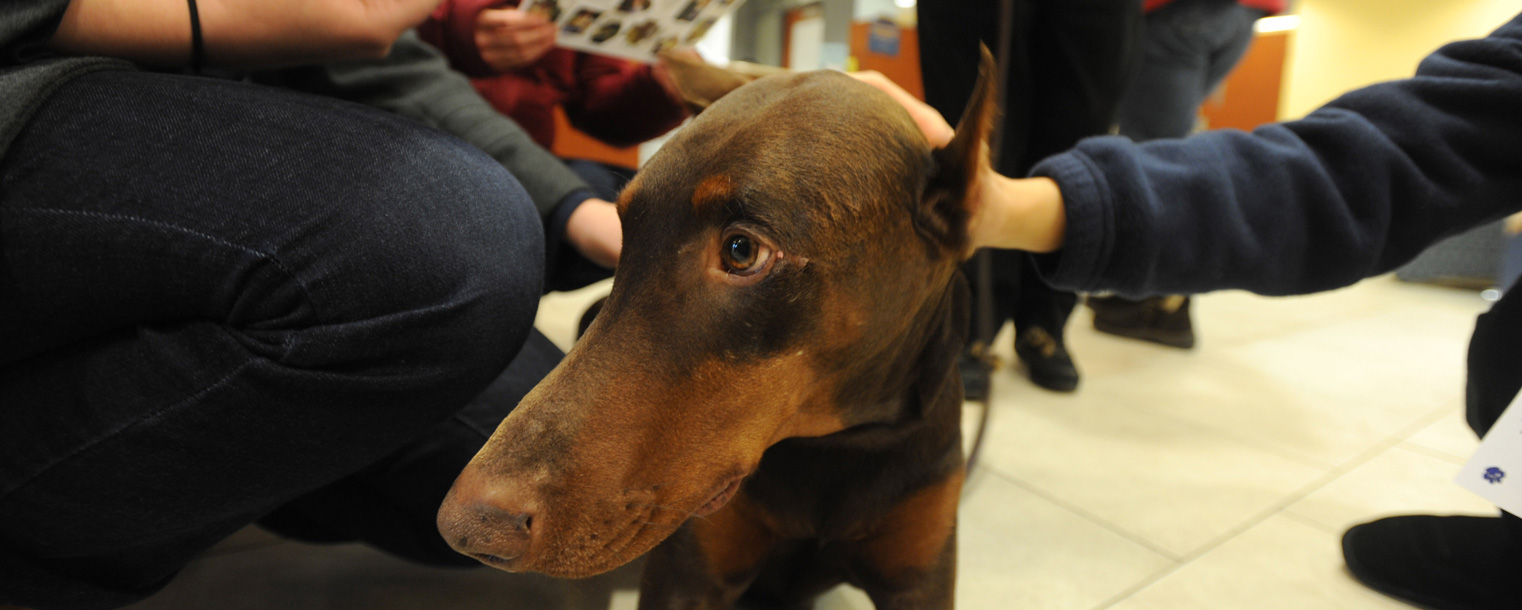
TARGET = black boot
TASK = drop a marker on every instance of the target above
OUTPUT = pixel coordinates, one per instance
(1440, 563)
(975, 377)
(1163, 320)
(1046, 359)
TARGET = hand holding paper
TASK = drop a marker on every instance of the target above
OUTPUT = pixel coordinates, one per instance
(632, 29)
(510, 38)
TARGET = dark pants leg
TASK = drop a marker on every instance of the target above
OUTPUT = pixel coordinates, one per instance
(1067, 69)
(392, 504)
(1190, 47)
(1494, 374)
(218, 297)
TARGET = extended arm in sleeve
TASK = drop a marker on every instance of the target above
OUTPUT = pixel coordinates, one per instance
(1355, 189)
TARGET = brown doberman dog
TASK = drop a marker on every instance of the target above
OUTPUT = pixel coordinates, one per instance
(777, 359)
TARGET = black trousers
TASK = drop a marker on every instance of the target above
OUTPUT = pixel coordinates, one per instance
(1069, 64)
(1495, 363)
(218, 299)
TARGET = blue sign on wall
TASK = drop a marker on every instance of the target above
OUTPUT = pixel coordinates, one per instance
(882, 38)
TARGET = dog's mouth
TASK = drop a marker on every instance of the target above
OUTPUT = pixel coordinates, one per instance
(581, 551)
(509, 564)
(721, 498)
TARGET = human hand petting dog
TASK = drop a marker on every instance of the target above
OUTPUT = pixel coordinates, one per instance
(1011, 213)
(595, 231)
(510, 38)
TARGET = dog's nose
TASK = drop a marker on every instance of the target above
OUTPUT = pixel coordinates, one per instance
(487, 520)
(502, 537)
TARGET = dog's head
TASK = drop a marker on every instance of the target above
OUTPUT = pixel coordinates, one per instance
(786, 257)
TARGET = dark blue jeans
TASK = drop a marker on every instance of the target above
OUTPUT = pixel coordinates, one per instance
(1189, 48)
(217, 298)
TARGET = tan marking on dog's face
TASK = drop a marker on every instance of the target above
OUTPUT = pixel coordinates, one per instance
(713, 190)
(630, 191)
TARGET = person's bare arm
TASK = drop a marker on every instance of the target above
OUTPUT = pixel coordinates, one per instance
(595, 230)
(237, 33)
(1017, 213)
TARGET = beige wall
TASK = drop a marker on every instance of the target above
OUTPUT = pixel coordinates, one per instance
(1345, 44)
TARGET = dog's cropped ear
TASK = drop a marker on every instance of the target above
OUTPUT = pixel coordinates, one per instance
(944, 204)
(701, 83)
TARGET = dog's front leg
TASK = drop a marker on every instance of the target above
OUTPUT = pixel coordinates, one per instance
(709, 562)
(909, 561)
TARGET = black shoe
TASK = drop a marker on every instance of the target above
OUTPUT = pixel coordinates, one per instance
(1046, 360)
(1440, 563)
(1163, 320)
(975, 378)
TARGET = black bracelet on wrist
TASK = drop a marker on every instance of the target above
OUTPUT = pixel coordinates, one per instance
(197, 52)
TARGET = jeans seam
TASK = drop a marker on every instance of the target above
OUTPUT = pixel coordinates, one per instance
(125, 427)
(306, 294)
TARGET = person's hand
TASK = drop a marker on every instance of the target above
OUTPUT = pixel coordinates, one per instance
(237, 33)
(1015, 213)
(937, 131)
(1011, 213)
(510, 38)
(596, 232)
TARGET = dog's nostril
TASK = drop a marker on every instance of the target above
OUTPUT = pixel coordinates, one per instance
(511, 523)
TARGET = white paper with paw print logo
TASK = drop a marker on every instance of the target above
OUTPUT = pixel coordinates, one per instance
(1495, 471)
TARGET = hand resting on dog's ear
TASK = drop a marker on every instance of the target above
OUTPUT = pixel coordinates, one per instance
(1010, 213)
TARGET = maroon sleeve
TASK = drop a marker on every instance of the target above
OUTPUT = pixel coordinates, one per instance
(620, 102)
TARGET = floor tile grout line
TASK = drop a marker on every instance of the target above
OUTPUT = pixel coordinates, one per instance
(1360, 311)
(1247, 440)
(1306, 521)
(1244, 439)
(1300, 326)
(1433, 453)
(1083, 514)
(1280, 506)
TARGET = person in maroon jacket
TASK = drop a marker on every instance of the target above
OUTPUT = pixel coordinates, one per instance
(511, 58)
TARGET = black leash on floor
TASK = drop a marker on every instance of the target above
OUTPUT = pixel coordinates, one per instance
(983, 306)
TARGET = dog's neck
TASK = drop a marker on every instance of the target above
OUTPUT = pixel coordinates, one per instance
(919, 382)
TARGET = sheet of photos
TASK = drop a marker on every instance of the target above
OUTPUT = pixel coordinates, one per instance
(632, 29)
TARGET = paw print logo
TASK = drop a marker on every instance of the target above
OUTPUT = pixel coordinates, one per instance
(1494, 475)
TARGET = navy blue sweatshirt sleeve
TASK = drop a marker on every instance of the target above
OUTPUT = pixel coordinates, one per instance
(1355, 189)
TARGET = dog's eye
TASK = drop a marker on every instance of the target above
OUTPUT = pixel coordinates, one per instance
(744, 254)
(741, 251)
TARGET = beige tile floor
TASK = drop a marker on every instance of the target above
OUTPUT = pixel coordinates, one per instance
(1216, 478)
